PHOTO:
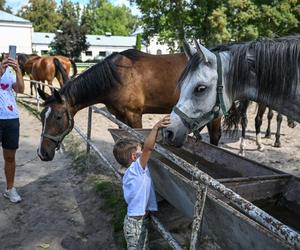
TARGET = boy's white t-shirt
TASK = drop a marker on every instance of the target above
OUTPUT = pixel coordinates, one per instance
(8, 106)
(138, 190)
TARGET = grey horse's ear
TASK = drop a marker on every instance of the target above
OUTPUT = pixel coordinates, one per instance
(188, 49)
(42, 94)
(204, 52)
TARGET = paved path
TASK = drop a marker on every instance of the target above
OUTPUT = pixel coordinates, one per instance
(60, 209)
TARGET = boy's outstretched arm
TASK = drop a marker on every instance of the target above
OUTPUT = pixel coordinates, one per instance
(151, 138)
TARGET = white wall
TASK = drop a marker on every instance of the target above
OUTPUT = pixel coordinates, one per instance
(108, 49)
(155, 46)
(37, 48)
(16, 34)
(94, 49)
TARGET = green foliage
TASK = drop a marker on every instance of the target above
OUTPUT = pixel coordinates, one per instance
(138, 44)
(4, 7)
(101, 17)
(70, 38)
(42, 14)
(218, 21)
(111, 193)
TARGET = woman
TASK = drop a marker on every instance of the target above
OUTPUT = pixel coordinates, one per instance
(10, 79)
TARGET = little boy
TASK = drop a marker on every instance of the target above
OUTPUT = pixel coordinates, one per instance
(137, 185)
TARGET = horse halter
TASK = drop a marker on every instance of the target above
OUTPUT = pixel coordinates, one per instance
(196, 123)
(58, 138)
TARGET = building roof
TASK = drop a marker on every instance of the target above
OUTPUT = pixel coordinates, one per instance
(7, 17)
(93, 40)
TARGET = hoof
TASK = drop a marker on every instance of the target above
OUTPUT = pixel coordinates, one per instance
(268, 136)
(260, 148)
(242, 153)
(277, 145)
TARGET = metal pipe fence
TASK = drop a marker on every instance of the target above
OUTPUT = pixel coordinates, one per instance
(258, 215)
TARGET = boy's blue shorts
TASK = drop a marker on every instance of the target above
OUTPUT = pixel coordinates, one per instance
(9, 133)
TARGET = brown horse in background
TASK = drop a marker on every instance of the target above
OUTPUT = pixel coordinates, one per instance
(46, 68)
(130, 84)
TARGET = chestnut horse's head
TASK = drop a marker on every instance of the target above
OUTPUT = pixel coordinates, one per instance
(57, 122)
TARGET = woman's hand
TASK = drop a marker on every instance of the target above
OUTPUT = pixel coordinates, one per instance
(12, 63)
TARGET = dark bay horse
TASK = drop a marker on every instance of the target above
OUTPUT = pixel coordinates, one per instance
(242, 107)
(265, 71)
(46, 68)
(130, 83)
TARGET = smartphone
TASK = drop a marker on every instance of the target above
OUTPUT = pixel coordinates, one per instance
(12, 51)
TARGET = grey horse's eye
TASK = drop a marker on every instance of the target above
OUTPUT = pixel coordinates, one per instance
(200, 89)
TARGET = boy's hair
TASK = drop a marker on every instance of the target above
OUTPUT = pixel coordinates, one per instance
(123, 150)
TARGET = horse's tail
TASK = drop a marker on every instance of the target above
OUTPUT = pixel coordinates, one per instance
(60, 69)
(74, 68)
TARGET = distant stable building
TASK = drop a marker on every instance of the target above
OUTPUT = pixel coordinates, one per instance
(15, 31)
(99, 46)
(18, 31)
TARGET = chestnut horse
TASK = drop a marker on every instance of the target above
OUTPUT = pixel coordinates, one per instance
(46, 68)
(130, 84)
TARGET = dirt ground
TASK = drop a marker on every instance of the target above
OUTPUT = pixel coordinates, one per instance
(60, 209)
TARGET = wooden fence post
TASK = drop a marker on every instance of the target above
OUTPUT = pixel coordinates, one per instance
(89, 129)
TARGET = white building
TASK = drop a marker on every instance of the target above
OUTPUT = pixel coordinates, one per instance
(18, 31)
(154, 47)
(15, 31)
(99, 46)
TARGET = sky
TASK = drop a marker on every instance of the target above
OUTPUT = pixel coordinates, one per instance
(17, 4)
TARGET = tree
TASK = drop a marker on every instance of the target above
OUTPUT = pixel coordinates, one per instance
(101, 17)
(280, 18)
(70, 38)
(42, 14)
(4, 7)
(218, 21)
(138, 44)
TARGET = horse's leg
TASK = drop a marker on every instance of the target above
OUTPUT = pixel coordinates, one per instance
(270, 116)
(244, 124)
(132, 119)
(291, 123)
(31, 86)
(135, 120)
(277, 143)
(258, 121)
(214, 130)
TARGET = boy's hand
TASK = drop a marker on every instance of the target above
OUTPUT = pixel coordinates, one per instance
(150, 140)
(163, 123)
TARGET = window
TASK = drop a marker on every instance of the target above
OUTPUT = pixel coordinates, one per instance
(44, 52)
(102, 53)
(89, 53)
(158, 52)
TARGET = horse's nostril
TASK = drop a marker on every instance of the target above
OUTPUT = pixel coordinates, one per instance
(169, 134)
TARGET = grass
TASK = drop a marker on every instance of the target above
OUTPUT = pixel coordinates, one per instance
(114, 204)
(75, 149)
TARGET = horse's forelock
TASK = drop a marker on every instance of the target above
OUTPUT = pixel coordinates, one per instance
(191, 66)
